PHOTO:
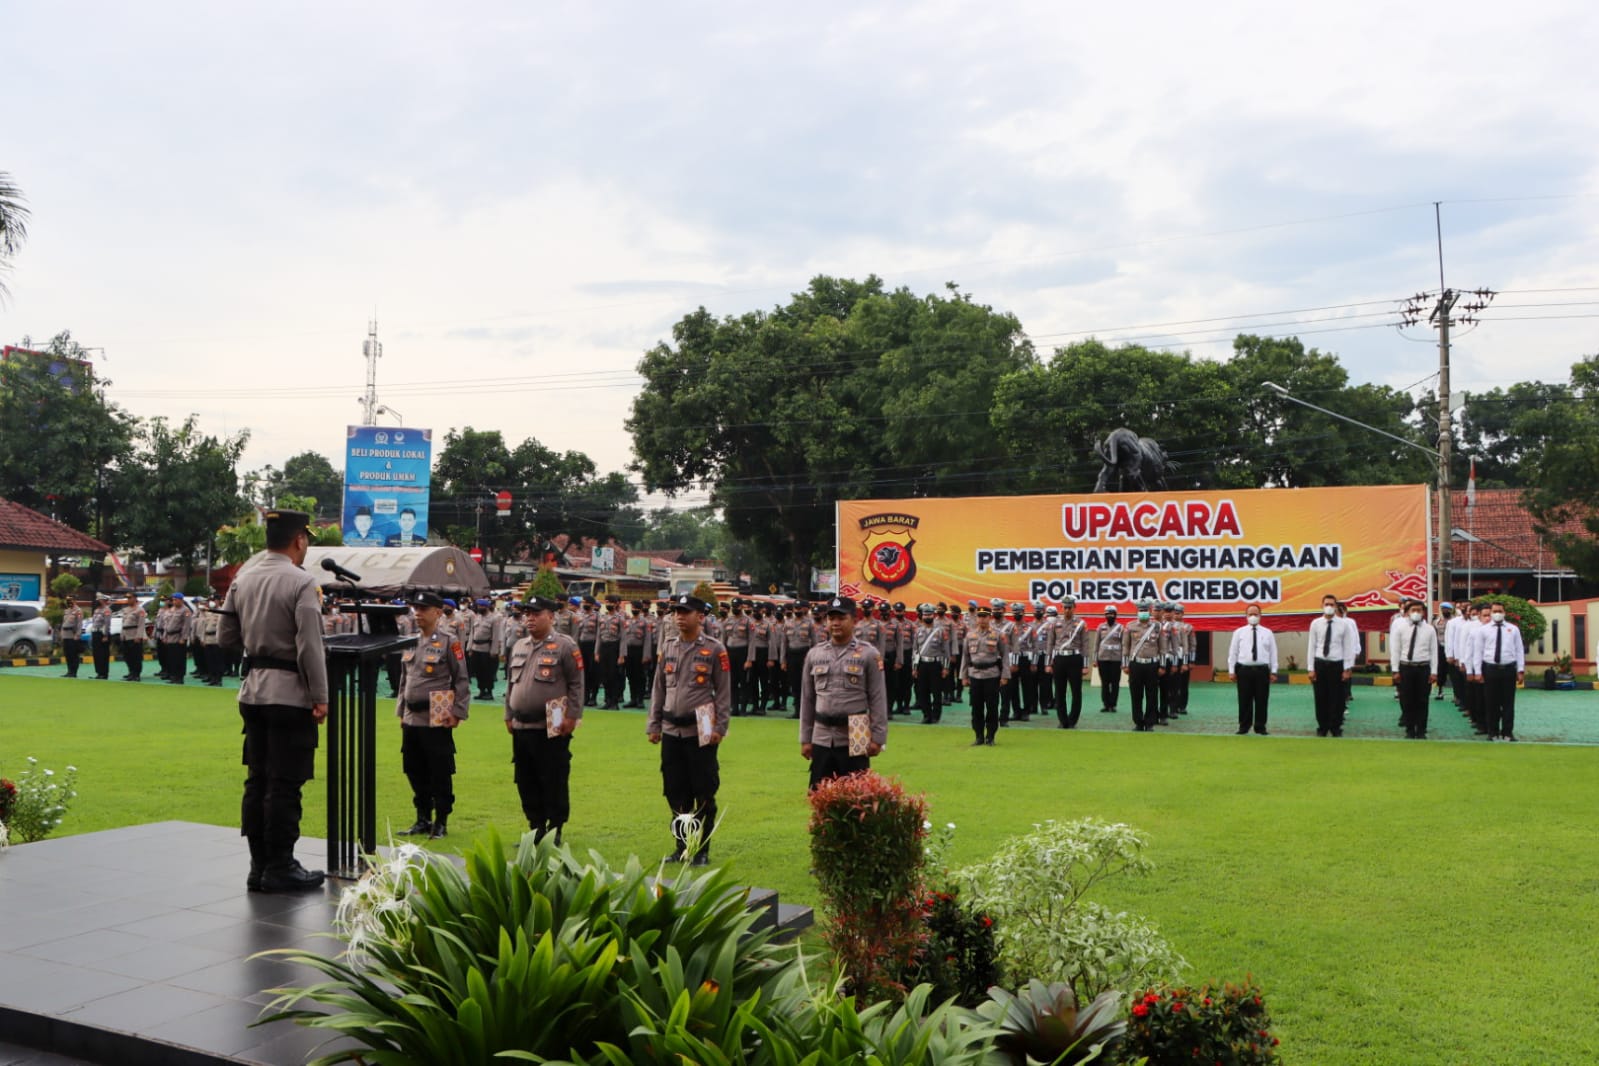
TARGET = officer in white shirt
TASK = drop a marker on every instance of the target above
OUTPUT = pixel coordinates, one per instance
(1454, 628)
(1332, 661)
(1499, 661)
(1414, 664)
(1252, 662)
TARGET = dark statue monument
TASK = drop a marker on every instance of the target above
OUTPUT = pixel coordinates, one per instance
(1131, 463)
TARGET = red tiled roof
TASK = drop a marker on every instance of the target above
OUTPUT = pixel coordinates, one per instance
(1506, 539)
(27, 530)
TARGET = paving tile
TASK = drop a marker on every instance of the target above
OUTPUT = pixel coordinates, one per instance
(163, 961)
(88, 948)
(143, 1008)
(176, 925)
(222, 1029)
(40, 985)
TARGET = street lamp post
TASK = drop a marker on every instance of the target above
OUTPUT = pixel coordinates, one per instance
(1446, 531)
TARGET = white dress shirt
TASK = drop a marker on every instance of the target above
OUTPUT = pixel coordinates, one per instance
(1252, 646)
(1340, 644)
(1486, 638)
(1414, 642)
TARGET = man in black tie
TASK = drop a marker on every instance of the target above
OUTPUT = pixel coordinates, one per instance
(1414, 660)
(1252, 662)
(1332, 660)
(1499, 663)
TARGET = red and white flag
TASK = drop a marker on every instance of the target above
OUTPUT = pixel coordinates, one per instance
(1471, 485)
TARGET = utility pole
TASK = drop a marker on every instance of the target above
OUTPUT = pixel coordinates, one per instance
(1442, 318)
(373, 350)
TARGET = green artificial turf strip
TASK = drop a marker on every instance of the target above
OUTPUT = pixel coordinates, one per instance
(1401, 902)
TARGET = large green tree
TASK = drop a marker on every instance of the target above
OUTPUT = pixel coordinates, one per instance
(1566, 487)
(847, 391)
(551, 493)
(62, 440)
(179, 487)
(1507, 429)
(312, 477)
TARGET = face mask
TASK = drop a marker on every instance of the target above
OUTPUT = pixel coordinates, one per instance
(1499, 616)
(1328, 611)
(1143, 616)
(1415, 616)
(1110, 618)
(1254, 619)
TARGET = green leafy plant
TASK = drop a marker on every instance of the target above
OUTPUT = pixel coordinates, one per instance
(1035, 887)
(959, 959)
(546, 584)
(38, 802)
(1042, 1023)
(1179, 1026)
(866, 854)
(707, 592)
(1528, 618)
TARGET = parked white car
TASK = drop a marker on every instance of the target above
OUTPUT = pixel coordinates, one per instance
(24, 632)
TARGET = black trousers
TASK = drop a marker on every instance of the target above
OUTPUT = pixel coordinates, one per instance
(1184, 674)
(1143, 684)
(482, 664)
(611, 673)
(72, 648)
(1254, 694)
(174, 660)
(100, 648)
(690, 778)
(635, 676)
(1163, 693)
(591, 673)
(1010, 695)
(1477, 706)
(760, 680)
(1327, 684)
(133, 657)
(1031, 673)
(952, 684)
(1110, 683)
(279, 758)
(985, 706)
(543, 773)
(1413, 689)
(1068, 679)
(427, 755)
(213, 663)
(1457, 683)
(929, 679)
(740, 681)
(834, 762)
(1499, 699)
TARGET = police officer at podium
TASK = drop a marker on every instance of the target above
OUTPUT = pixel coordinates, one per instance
(272, 612)
(433, 672)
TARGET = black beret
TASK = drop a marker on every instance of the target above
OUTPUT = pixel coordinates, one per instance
(280, 519)
(689, 602)
(540, 603)
(427, 599)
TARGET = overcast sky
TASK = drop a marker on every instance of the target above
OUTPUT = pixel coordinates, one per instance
(528, 195)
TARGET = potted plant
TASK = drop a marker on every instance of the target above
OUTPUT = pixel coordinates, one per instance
(1563, 677)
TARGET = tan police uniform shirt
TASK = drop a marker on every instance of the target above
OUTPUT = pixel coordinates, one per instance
(985, 653)
(689, 675)
(841, 680)
(272, 611)
(435, 664)
(541, 671)
(133, 622)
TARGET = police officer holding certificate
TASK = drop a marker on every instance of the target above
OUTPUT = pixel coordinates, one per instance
(435, 693)
(843, 680)
(543, 704)
(691, 703)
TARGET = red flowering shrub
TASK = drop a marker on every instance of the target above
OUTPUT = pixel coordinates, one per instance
(866, 854)
(960, 959)
(8, 796)
(1228, 1026)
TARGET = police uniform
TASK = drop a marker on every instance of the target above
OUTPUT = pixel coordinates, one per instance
(71, 636)
(543, 670)
(1068, 652)
(841, 680)
(957, 643)
(736, 636)
(797, 645)
(1109, 640)
(1143, 649)
(930, 659)
(132, 640)
(985, 667)
(1188, 647)
(437, 664)
(210, 626)
(762, 634)
(638, 641)
(690, 675)
(608, 637)
(272, 613)
(100, 638)
(485, 631)
(1010, 704)
(587, 637)
(904, 676)
(1033, 656)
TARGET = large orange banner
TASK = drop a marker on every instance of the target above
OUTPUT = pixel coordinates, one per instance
(1213, 552)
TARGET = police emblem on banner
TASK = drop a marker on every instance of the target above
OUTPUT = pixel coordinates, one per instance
(888, 561)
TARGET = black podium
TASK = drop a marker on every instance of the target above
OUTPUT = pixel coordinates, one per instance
(354, 660)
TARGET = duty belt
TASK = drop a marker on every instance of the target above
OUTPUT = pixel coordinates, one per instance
(267, 662)
(417, 705)
(1146, 660)
(833, 719)
(682, 719)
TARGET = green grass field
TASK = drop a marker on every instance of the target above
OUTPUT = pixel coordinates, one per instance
(1401, 902)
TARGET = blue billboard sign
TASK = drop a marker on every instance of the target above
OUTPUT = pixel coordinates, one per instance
(386, 471)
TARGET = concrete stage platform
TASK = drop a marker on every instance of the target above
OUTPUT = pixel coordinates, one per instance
(132, 947)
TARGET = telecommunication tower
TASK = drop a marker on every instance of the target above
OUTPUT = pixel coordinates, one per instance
(373, 350)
